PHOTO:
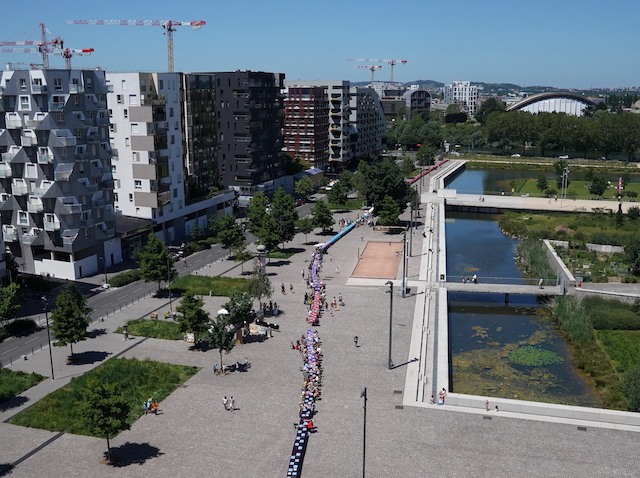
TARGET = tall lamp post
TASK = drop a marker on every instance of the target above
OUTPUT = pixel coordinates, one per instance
(45, 306)
(565, 184)
(404, 264)
(363, 394)
(390, 284)
(169, 286)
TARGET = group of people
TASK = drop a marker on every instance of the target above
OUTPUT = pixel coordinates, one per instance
(467, 280)
(229, 403)
(236, 367)
(150, 406)
(270, 309)
(311, 353)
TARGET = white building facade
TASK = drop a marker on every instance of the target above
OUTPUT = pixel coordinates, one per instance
(462, 93)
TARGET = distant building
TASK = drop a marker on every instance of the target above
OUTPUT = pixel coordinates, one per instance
(555, 102)
(56, 184)
(368, 121)
(461, 93)
(306, 124)
(411, 100)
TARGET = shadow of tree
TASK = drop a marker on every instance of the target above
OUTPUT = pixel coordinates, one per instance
(92, 334)
(26, 333)
(279, 263)
(249, 339)
(84, 358)
(13, 403)
(133, 454)
(6, 469)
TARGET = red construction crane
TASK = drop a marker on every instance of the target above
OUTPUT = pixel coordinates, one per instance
(69, 53)
(168, 25)
(373, 69)
(391, 63)
(44, 46)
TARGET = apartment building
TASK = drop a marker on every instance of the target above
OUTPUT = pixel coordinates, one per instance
(306, 124)
(463, 94)
(163, 129)
(250, 119)
(368, 120)
(56, 185)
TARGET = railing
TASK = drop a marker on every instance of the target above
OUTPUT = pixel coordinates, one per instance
(38, 89)
(73, 208)
(10, 236)
(18, 189)
(86, 223)
(67, 140)
(98, 202)
(51, 226)
(45, 158)
(27, 239)
(6, 172)
(34, 123)
(35, 207)
(75, 88)
(68, 240)
(56, 105)
(13, 123)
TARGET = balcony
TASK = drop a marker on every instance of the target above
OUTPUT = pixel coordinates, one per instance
(81, 156)
(67, 140)
(109, 88)
(9, 234)
(5, 171)
(72, 207)
(29, 140)
(8, 157)
(27, 239)
(107, 184)
(93, 138)
(14, 122)
(35, 207)
(19, 189)
(51, 226)
(32, 124)
(38, 89)
(86, 223)
(102, 105)
(56, 105)
(68, 240)
(45, 158)
(75, 88)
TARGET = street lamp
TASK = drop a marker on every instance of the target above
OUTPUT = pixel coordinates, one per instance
(169, 286)
(104, 268)
(404, 264)
(363, 394)
(390, 284)
(565, 184)
(46, 315)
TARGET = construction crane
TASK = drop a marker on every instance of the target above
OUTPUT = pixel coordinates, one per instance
(373, 69)
(391, 63)
(168, 25)
(11, 65)
(69, 53)
(44, 46)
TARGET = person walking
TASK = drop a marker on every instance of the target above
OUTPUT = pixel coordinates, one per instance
(540, 283)
(355, 340)
(291, 288)
(232, 404)
(282, 289)
(225, 402)
(486, 405)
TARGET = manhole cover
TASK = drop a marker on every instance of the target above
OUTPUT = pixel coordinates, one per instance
(399, 407)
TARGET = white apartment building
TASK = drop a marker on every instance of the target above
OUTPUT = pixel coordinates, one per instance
(368, 119)
(463, 94)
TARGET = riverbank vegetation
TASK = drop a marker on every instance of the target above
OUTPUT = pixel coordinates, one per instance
(532, 259)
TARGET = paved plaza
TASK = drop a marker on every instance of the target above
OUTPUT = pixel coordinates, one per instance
(194, 434)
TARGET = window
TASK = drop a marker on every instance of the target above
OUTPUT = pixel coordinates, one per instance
(127, 142)
(119, 99)
(76, 101)
(115, 197)
(113, 168)
(143, 85)
(110, 113)
(125, 112)
(161, 84)
(57, 84)
(113, 128)
(23, 218)
(23, 84)
(137, 184)
(130, 197)
(133, 100)
(87, 82)
(175, 192)
(170, 112)
(136, 157)
(123, 84)
(134, 128)
(24, 102)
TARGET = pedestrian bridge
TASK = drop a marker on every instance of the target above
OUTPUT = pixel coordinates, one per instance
(504, 288)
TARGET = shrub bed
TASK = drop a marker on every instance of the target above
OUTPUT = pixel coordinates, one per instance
(14, 383)
(125, 278)
(202, 285)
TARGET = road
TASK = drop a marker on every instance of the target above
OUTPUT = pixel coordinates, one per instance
(106, 302)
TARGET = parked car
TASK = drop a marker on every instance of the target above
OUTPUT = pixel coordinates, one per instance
(515, 155)
(564, 156)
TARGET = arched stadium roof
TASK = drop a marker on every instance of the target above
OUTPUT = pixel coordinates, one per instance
(555, 102)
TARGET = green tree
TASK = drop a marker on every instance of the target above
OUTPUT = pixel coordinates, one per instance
(268, 233)
(259, 284)
(242, 256)
(71, 317)
(598, 185)
(239, 307)
(631, 387)
(104, 409)
(256, 212)
(632, 253)
(305, 226)
(358, 179)
(426, 154)
(338, 194)
(12, 266)
(304, 186)
(193, 319)
(345, 180)
(9, 302)
(324, 181)
(285, 215)
(388, 212)
(489, 106)
(633, 212)
(382, 179)
(230, 233)
(154, 261)
(196, 232)
(561, 168)
(222, 335)
(542, 183)
(322, 216)
(408, 167)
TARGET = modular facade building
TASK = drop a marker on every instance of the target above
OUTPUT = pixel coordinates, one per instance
(163, 129)
(462, 93)
(56, 185)
(368, 120)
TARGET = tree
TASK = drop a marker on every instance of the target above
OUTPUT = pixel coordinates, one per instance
(71, 317)
(598, 185)
(222, 335)
(104, 409)
(305, 226)
(542, 184)
(408, 167)
(322, 216)
(382, 179)
(259, 285)
(230, 233)
(388, 212)
(256, 212)
(345, 179)
(193, 319)
(242, 256)
(196, 232)
(155, 263)
(239, 307)
(303, 187)
(9, 302)
(12, 266)
(561, 167)
(267, 234)
(426, 154)
(338, 194)
(632, 252)
(285, 214)
(490, 105)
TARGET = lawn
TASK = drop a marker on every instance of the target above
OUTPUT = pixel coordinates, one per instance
(577, 188)
(14, 383)
(202, 285)
(622, 347)
(156, 329)
(138, 380)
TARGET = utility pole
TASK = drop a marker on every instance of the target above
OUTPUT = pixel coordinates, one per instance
(46, 315)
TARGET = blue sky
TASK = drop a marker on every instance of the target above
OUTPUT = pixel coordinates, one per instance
(567, 44)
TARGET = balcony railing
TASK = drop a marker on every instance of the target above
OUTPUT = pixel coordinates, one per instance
(98, 202)
(29, 140)
(8, 157)
(68, 240)
(86, 223)
(67, 140)
(56, 105)
(5, 171)
(73, 208)
(34, 123)
(45, 158)
(10, 236)
(35, 207)
(19, 189)
(51, 226)
(27, 239)
(93, 138)
(75, 88)
(38, 89)
(13, 122)
(102, 121)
